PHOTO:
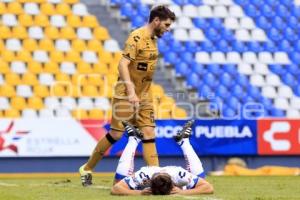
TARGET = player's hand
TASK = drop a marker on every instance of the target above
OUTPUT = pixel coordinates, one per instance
(146, 191)
(175, 190)
(134, 100)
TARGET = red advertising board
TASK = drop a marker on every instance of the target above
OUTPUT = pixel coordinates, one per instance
(278, 136)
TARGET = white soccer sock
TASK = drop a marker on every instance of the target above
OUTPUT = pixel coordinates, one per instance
(193, 162)
(126, 163)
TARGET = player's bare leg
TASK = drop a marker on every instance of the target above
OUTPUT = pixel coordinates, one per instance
(149, 147)
(101, 147)
(193, 162)
(126, 163)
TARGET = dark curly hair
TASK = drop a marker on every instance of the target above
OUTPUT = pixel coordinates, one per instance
(162, 12)
(161, 184)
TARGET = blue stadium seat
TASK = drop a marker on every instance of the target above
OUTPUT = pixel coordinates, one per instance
(223, 46)
(273, 3)
(177, 46)
(210, 80)
(167, 36)
(295, 56)
(137, 21)
(270, 46)
(229, 113)
(297, 90)
(127, 10)
(117, 2)
(200, 23)
(233, 102)
(193, 80)
(279, 23)
(227, 34)
(242, 2)
(248, 99)
(230, 69)
(171, 57)
(204, 91)
(187, 57)
(207, 46)
(267, 11)
(286, 2)
(252, 11)
(277, 113)
(278, 69)
(134, 2)
(254, 92)
(180, 2)
(296, 11)
(163, 47)
(289, 79)
(226, 79)
(182, 68)
(275, 34)
(212, 34)
(195, 2)
(238, 92)
(263, 22)
(222, 92)
(239, 46)
(192, 46)
(242, 80)
(293, 69)
(214, 69)
(143, 10)
(266, 102)
(254, 46)
(293, 22)
(258, 3)
(282, 11)
(216, 23)
(198, 68)
(290, 34)
(284, 45)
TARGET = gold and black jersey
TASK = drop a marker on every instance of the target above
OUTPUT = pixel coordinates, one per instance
(142, 51)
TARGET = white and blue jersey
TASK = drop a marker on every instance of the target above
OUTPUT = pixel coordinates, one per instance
(180, 177)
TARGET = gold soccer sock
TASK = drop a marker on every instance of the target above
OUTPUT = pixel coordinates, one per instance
(99, 151)
(150, 153)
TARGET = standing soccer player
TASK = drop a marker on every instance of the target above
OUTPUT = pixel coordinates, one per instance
(133, 99)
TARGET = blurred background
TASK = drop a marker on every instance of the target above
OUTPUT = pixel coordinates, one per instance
(233, 65)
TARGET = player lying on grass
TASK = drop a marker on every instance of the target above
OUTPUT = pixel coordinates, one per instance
(160, 180)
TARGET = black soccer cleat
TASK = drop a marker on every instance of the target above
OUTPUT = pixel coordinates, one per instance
(186, 131)
(86, 176)
(132, 131)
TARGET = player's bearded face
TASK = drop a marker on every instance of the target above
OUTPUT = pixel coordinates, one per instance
(162, 27)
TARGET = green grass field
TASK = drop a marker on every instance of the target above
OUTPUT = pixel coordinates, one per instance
(67, 186)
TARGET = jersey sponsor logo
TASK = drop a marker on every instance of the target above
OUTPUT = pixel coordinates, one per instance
(142, 66)
(278, 136)
(223, 132)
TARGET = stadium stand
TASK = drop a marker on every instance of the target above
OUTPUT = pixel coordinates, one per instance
(241, 51)
(58, 61)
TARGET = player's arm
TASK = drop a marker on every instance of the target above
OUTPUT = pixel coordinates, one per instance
(125, 77)
(121, 188)
(202, 187)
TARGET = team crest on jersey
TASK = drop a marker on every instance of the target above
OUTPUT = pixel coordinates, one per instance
(142, 66)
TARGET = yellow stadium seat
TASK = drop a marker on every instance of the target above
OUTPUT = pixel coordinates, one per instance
(15, 8)
(100, 68)
(95, 79)
(41, 20)
(157, 91)
(74, 21)
(25, 20)
(68, 33)
(73, 56)
(51, 67)
(12, 113)
(52, 32)
(63, 9)
(19, 32)
(7, 90)
(90, 91)
(76, 91)
(78, 45)
(3, 9)
(29, 79)
(46, 44)
(41, 91)
(4, 69)
(111, 79)
(12, 79)
(58, 56)
(30, 44)
(58, 90)
(96, 114)
(117, 56)
(94, 45)
(84, 68)
(71, 1)
(47, 9)
(5, 32)
(80, 114)
(105, 57)
(62, 77)
(35, 67)
(79, 79)
(90, 21)
(2, 46)
(1, 114)
(167, 100)
(24, 55)
(35, 103)
(101, 33)
(18, 103)
(8, 56)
